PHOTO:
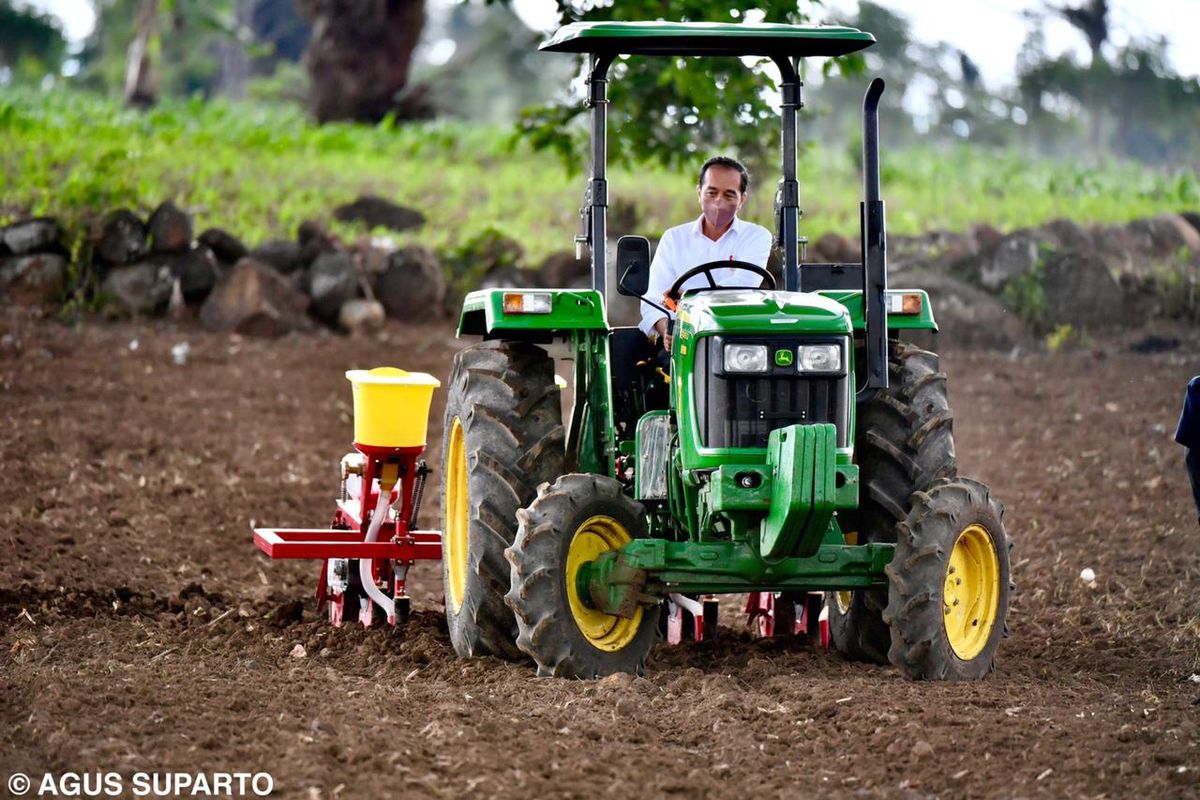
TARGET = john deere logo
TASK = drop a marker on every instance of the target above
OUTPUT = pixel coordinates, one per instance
(783, 358)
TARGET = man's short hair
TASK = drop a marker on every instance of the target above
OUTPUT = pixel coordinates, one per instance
(731, 163)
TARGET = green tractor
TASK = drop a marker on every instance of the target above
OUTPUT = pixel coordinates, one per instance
(793, 444)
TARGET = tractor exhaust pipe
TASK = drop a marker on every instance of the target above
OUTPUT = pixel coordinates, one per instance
(874, 245)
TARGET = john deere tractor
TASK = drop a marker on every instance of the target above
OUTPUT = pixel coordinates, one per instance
(790, 443)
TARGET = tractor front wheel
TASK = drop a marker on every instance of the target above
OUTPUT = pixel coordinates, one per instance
(949, 583)
(572, 522)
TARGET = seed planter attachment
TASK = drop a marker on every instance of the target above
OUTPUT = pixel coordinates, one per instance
(373, 540)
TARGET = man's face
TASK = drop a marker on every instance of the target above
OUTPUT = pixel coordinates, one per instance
(720, 195)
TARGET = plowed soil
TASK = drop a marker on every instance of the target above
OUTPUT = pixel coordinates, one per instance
(142, 630)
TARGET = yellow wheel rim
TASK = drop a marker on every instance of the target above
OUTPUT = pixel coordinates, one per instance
(594, 537)
(454, 543)
(972, 592)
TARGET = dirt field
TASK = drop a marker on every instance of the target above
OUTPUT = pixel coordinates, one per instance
(142, 631)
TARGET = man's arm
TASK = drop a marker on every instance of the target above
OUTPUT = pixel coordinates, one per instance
(759, 248)
(662, 275)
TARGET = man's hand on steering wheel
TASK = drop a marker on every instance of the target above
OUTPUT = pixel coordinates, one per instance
(675, 292)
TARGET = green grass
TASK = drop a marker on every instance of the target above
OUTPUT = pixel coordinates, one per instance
(260, 171)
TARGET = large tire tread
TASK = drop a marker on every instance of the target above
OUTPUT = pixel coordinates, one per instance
(504, 394)
(920, 647)
(904, 443)
(537, 595)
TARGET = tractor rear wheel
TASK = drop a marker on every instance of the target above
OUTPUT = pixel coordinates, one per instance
(949, 583)
(572, 522)
(904, 441)
(503, 437)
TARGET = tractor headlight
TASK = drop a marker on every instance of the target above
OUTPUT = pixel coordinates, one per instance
(819, 358)
(745, 358)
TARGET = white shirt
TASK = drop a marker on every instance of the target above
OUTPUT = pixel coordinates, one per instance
(685, 246)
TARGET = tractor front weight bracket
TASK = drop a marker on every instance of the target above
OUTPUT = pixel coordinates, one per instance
(723, 567)
(646, 570)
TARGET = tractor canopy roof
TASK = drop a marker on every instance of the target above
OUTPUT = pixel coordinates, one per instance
(707, 39)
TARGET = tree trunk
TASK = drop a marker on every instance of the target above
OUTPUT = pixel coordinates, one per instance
(141, 86)
(233, 63)
(359, 56)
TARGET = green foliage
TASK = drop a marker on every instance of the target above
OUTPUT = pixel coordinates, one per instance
(672, 112)
(1135, 106)
(261, 170)
(1177, 283)
(468, 261)
(31, 43)
(186, 36)
(1025, 295)
(1060, 337)
(496, 69)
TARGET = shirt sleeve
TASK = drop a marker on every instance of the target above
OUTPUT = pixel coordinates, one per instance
(759, 248)
(662, 275)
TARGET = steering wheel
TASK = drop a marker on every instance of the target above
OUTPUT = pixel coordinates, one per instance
(707, 271)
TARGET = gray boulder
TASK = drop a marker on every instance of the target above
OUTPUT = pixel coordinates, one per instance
(563, 271)
(509, 277)
(197, 272)
(413, 287)
(1118, 247)
(1079, 290)
(170, 229)
(332, 280)
(282, 255)
(360, 316)
(1192, 217)
(1066, 234)
(256, 300)
(986, 235)
(141, 288)
(315, 240)
(33, 280)
(371, 259)
(1011, 257)
(935, 251)
(834, 248)
(38, 235)
(1164, 235)
(224, 245)
(120, 239)
(967, 317)
(375, 212)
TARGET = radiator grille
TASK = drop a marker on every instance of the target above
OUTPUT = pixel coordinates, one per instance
(741, 410)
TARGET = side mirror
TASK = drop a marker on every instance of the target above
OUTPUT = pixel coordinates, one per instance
(633, 265)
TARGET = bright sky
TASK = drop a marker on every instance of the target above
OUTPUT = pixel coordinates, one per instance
(991, 31)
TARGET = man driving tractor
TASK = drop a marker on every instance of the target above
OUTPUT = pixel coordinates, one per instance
(717, 235)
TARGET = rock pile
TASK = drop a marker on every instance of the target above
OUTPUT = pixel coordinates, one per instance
(989, 289)
(33, 263)
(1003, 290)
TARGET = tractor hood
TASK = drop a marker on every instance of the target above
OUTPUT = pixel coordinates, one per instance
(758, 311)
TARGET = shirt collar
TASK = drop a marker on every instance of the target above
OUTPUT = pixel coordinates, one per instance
(736, 227)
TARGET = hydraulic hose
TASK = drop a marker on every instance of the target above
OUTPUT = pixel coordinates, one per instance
(688, 604)
(364, 564)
